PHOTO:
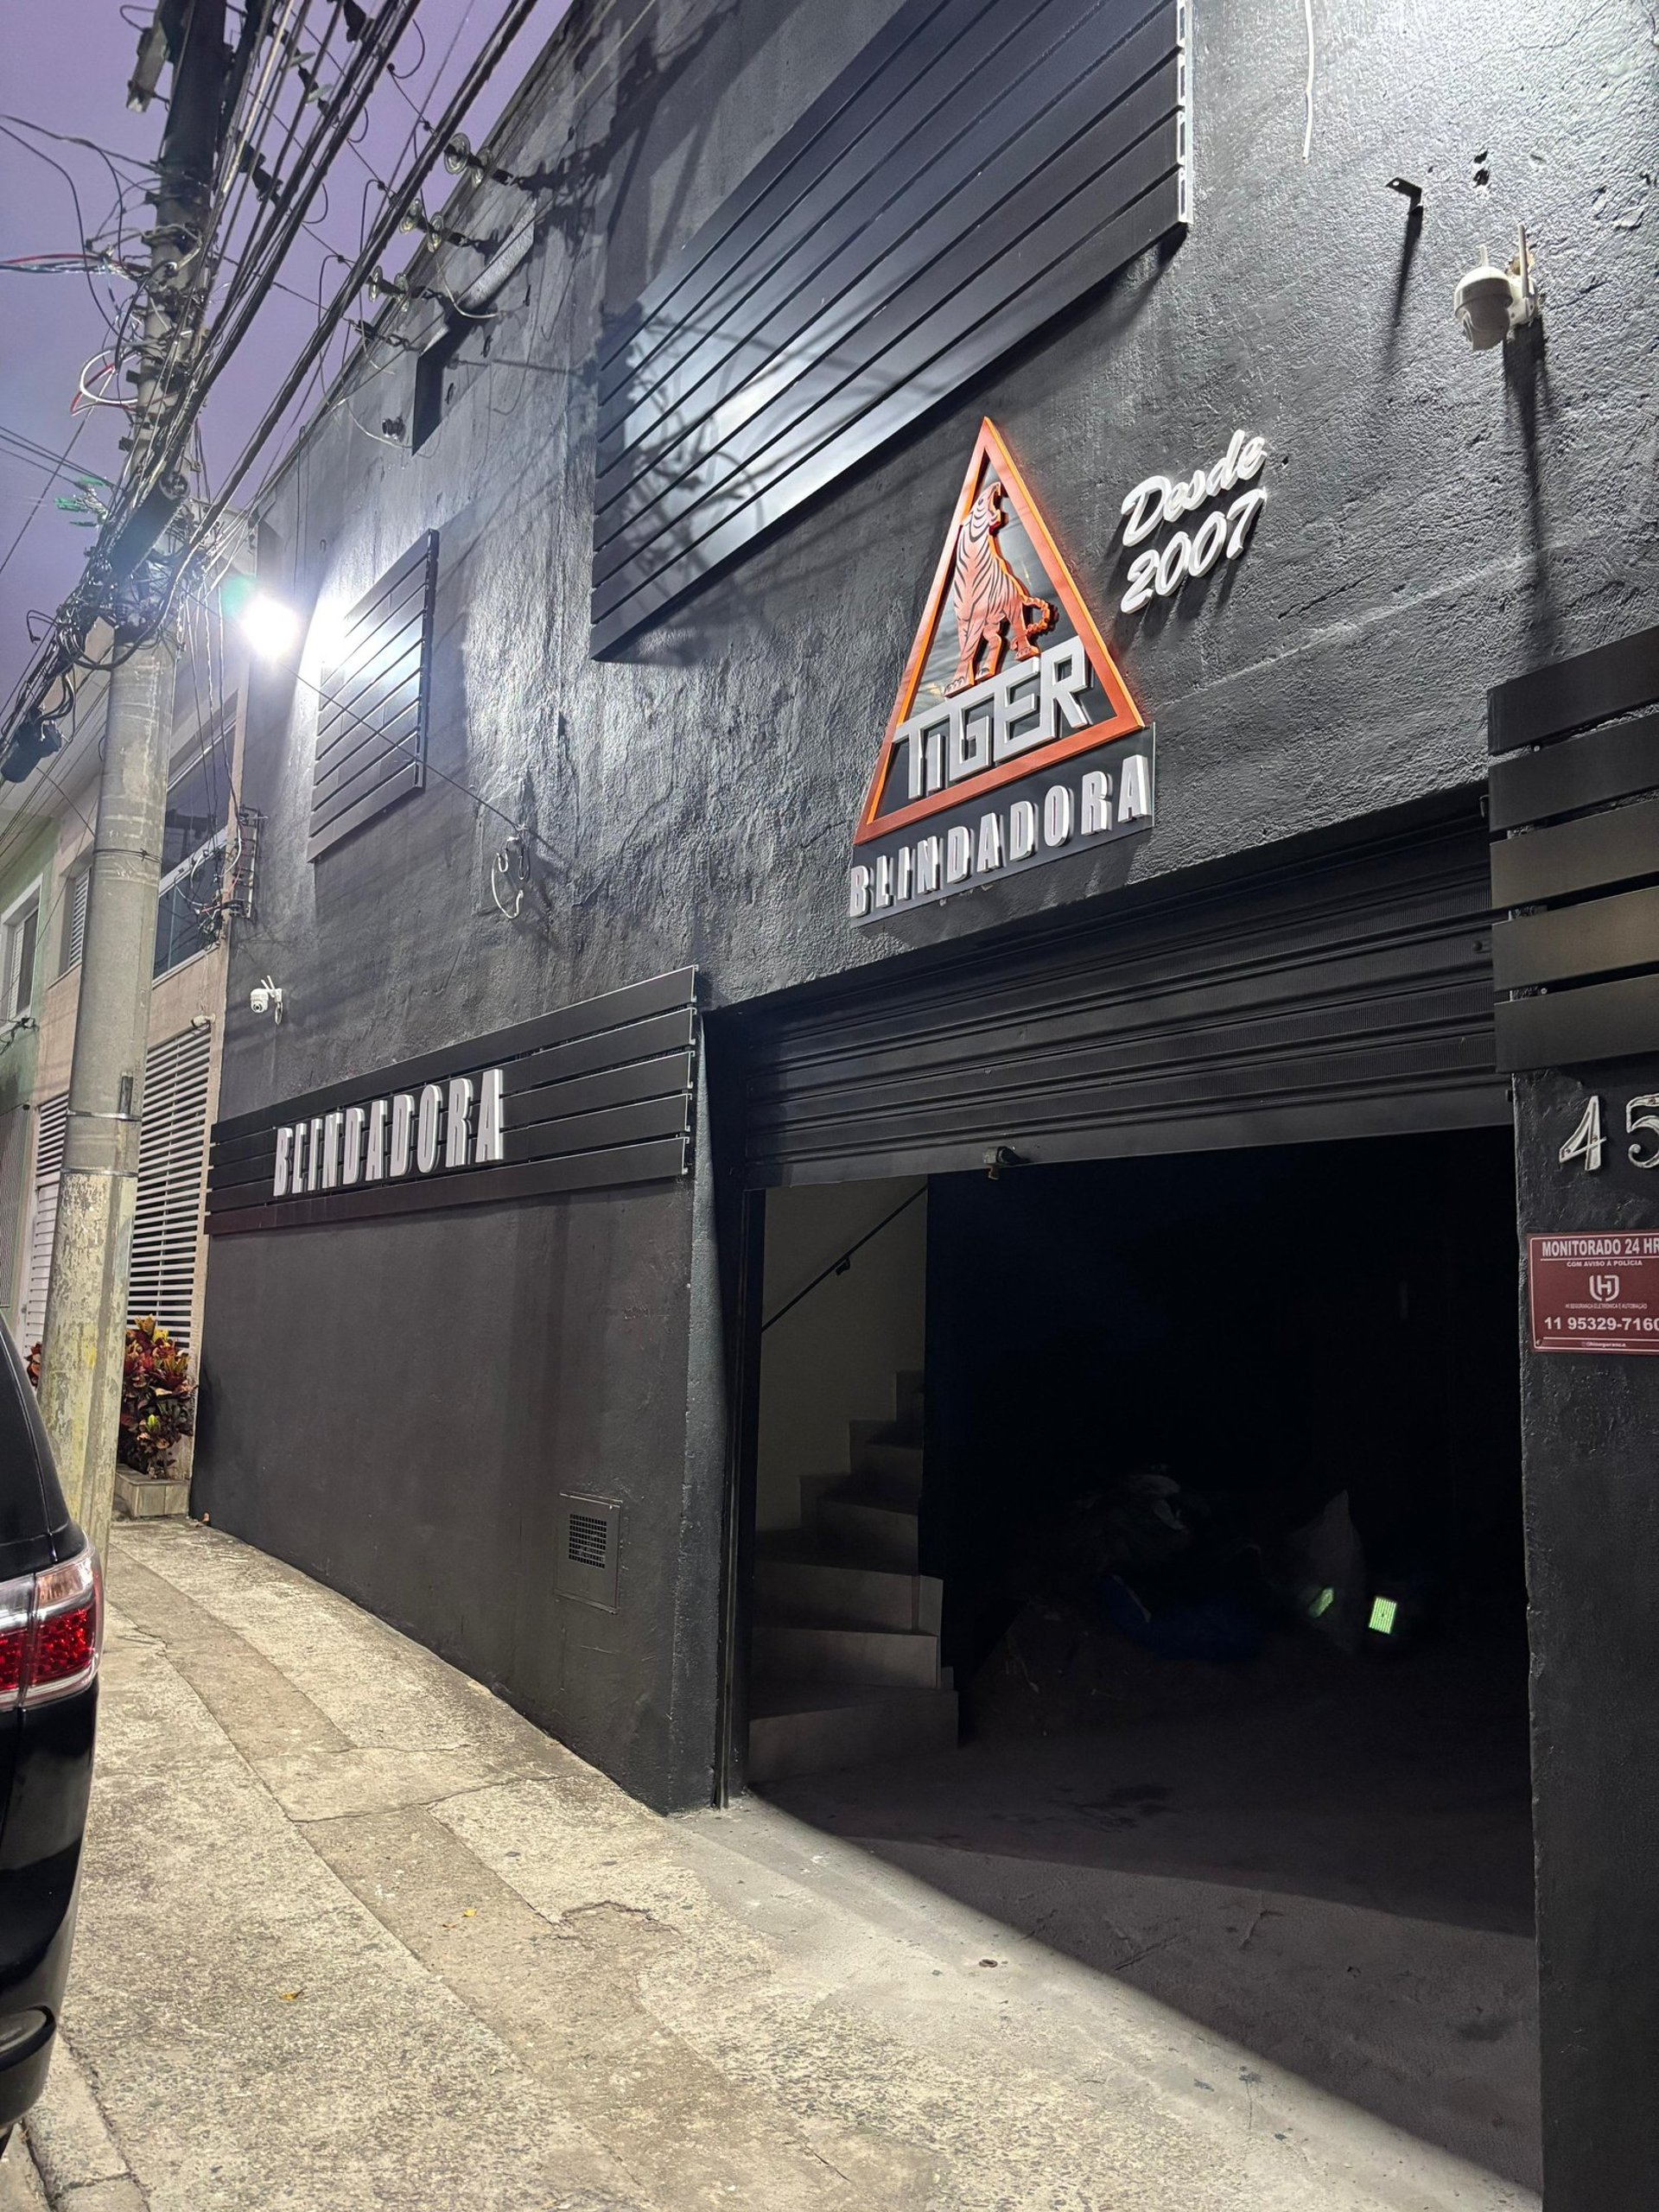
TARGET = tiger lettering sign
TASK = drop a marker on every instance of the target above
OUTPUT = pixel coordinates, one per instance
(1014, 740)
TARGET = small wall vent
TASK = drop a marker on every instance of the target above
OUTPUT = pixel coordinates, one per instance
(589, 1542)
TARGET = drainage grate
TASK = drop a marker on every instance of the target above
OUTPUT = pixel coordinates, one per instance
(589, 1540)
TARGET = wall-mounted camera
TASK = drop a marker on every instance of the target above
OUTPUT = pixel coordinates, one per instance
(1492, 304)
(266, 997)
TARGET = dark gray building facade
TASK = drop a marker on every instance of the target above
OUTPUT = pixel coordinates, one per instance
(657, 497)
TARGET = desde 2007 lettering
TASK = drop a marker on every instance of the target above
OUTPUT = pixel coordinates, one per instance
(1158, 499)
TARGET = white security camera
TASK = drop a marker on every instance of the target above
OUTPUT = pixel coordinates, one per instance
(266, 997)
(1491, 303)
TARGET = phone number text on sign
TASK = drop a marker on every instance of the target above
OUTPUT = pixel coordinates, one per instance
(1594, 1293)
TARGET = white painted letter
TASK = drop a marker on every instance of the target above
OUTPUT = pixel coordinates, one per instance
(990, 843)
(1022, 829)
(492, 1121)
(1057, 815)
(351, 1172)
(1145, 509)
(431, 1115)
(374, 1166)
(1135, 800)
(858, 893)
(458, 1121)
(403, 1117)
(958, 853)
(1097, 803)
(284, 1163)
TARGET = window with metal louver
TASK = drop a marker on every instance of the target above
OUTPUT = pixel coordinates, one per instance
(172, 1157)
(51, 1121)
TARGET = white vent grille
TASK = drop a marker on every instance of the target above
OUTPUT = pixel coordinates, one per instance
(173, 1152)
(74, 934)
(50, 1124)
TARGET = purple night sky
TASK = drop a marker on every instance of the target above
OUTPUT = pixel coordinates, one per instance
(66, 66)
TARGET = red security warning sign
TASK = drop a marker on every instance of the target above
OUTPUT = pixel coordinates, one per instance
(1597, 1292)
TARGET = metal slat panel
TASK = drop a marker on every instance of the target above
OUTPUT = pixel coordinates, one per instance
(860, 289)
(659, 1078)
(1346, 996)
(1572, 694)
(1565, 1028)
(623, 1094)
(880, 121)
(927, 379)
(411, 779)
(1569, 942)
(948, 169)
(1582, 772)
(1595, 852)
(372, 722)
(535, 1179)
(898, 54)
(640, 1041)
(830, 384)
(611, 1010)
(600, 1131)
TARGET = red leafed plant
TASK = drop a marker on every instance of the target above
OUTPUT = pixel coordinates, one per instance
(157, 1397)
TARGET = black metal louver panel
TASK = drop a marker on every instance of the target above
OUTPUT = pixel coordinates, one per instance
(979, 166)
(372, 713)
(1350, 997)
(1574, 807)
(593, 1097)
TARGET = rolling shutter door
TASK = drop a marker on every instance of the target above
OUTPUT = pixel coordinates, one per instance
(1349, 997)
(172, 1157)
(49, 1127)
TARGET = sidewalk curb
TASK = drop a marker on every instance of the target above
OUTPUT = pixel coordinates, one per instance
(77, 2161)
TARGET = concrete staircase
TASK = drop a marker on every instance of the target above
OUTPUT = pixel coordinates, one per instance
(845, 1656)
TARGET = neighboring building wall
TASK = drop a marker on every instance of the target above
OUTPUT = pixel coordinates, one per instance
(27, 860)
(209, 689)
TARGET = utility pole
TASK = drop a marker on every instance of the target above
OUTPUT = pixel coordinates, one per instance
(84, 1355)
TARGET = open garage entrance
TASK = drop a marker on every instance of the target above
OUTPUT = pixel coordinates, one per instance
(1139, 1559)
(1137, 1522)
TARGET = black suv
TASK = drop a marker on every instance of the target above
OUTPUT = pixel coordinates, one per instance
(51, 1632)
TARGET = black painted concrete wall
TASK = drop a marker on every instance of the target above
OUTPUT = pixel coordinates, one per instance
(1590, 1425)
(391, 1404)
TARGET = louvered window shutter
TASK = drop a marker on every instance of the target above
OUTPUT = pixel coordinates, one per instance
(14, 1140)
(172, 1154)
(372, 704)
(52, 1121)
(75, 935)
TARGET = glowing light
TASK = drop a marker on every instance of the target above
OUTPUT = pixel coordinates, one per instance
(1322, 1603)
(272, 628)
(1383, 1611)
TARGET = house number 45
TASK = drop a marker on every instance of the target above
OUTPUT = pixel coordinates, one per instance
(1640, 1120)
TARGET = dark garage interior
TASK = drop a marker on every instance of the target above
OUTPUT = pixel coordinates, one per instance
(1220, 1483)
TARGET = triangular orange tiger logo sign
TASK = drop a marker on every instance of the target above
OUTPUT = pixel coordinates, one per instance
(1012, 738)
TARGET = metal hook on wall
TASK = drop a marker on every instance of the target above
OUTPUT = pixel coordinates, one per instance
(510, 867)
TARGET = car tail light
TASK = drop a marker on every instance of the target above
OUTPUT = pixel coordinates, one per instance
(51, 1630)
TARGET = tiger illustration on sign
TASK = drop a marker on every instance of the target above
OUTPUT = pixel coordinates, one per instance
(992, 607)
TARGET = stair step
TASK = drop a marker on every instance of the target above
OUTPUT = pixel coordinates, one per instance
(794, 1732)
(898, 1466)
(814, 1593)
(893, 1658)
(858, 1532)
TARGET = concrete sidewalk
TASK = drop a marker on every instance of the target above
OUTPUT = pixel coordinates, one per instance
(354, 1933)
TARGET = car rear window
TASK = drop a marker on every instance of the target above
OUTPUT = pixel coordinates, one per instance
(32, 1516)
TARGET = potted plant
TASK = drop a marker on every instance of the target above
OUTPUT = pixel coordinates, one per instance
(157, 1409)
